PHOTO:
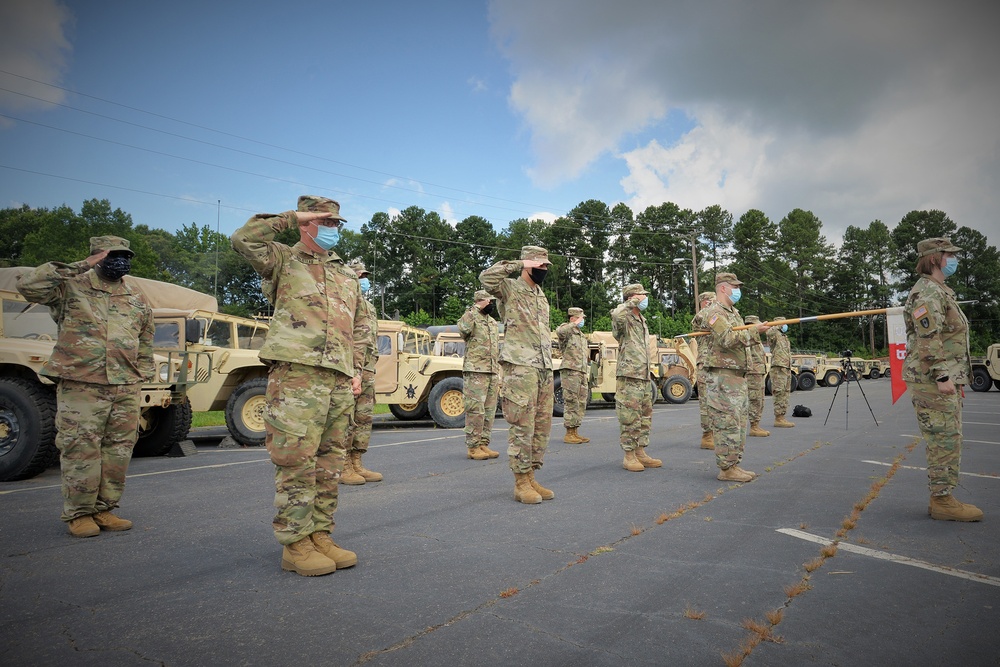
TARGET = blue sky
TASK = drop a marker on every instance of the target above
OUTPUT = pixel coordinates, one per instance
(508, 109)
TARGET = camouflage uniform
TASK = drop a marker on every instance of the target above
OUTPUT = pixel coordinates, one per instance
(781, 363)
(697, 324)
(633, 391)
(755, 372)
(937, 342)
(315, 346)
(525, 361)
(725, 366)
(360, 431)
(103, 354)
(480, 373)
(574, 373)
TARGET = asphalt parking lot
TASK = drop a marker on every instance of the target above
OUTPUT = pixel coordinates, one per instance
(663, 567)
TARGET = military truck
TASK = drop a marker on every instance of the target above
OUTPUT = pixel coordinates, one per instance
(986, 370)
(678, 370)
(829, 371)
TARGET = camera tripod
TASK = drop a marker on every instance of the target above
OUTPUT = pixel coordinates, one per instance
(850, 374)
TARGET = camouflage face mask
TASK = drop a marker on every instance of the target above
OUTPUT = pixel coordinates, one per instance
(114, 268)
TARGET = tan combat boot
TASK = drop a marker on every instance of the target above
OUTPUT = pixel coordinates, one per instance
(746, 472)
(477, 454)
(359, 467)
(734, 474)
(781, 422)
(646, 460)
(108, 521)
(947, 508)
(326, 546)
(631, 462)
(576, 432)
(349, 475)
(303, 558)
(523, 491)
(571, 437)
(83, 526)
(757, 432)
(489, 452)
(546, 494)
(706, 440)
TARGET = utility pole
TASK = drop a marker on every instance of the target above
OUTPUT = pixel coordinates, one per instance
(218, 218)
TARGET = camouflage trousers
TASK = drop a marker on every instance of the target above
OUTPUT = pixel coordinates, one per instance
(527, 406)
(634, 407)
(781, 387)
(728, 410)
(575, 392)
(306, 420)
(703, 402)
(755, 396)
(940, 419)
(359, 431)
(480, 391)
(98, 425)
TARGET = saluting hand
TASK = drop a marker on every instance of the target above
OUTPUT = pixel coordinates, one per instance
(96, 258)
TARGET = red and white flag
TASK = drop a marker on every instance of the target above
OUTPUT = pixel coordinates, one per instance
(897, 350)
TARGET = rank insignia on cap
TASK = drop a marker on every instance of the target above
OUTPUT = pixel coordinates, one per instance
(920, 312)
(713, 320)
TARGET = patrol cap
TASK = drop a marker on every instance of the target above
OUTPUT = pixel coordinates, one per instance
(318, 204)
(706, 296)
(358, 267)
(575, 312)
(482, 295)
(751, 319)
(931, 246)
(778, 318)
(727, 278)
(111, 244)
(536, 253)
(633, 290)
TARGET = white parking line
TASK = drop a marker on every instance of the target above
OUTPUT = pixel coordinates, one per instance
(902, 560)
(969, 474)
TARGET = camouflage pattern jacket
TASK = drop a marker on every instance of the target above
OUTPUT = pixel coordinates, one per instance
(525, 314)
(318, 317)
(369, 319)
(698, 324)
(755, 355)
(574, 348)
(937, 335)
(632, 334)
(781, 349)
(723, 347)
(105, 328)
(482, 342)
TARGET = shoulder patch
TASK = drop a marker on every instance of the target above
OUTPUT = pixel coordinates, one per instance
(919, 312)
(713, 319)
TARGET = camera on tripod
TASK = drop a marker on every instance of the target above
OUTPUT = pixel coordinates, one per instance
(847, 353)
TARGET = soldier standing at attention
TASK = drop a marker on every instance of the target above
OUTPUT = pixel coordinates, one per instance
(574, 375)
(634, 388)
(781, 372)
(480, 374)
(359, 434)
(103, 354)
(526, 364)
(725, 370)
(755, 379)
(697, 324)
(315, 349)
(936, 367)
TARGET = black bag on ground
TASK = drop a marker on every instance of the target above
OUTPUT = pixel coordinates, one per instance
(802, 411)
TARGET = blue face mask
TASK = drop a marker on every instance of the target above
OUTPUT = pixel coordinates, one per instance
(365, 285)
(644, 303)
(737, 294)
(579, 325)
(950, 266)
(784, 328)
(327, 237)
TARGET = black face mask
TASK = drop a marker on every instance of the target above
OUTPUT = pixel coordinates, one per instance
(489, 309)
(538, 275)
(113, 268)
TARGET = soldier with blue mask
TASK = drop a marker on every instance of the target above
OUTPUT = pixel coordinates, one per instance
(360, 432)
(103, 354)
(781, 372)
(315, 349)
(936, 367)
(704, 299)
(574, 374)
(755, 380)
(634, 375)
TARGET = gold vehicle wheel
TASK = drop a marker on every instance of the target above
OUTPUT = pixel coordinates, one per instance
(252, 413)
(452, 403)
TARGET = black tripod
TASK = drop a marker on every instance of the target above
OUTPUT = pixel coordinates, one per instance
(850, 374)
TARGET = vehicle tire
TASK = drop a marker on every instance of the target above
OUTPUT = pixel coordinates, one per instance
(245, 412)
(558, 402)
(888, 373)
(610, 398)
(27, 428)
(408, 411)
(768, 389)
(162, 428)
(981, 380)
(807, 381)
(874, 374)
(656, 391)
(793, 384)
(677, 390)
(447, 403)
(833, 378)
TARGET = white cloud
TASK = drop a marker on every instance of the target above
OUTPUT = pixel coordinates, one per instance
(544, 216)
(448, 213)
(477, 84)
(33, 45)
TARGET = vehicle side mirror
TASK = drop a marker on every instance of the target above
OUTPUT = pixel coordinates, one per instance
(192, 331)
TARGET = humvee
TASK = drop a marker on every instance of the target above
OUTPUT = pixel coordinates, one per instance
(986, 370)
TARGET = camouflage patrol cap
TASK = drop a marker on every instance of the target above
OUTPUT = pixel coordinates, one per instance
(482, 295)
(633, 290)
(111, 244)
(751, 319)
(778, 318)
(931, 246)
(706, 296)
(575, 312)
(318, 204)
(358, 267)
(536, 253)
(727, 278)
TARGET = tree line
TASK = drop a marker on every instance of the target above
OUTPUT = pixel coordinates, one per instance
(425, 270)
